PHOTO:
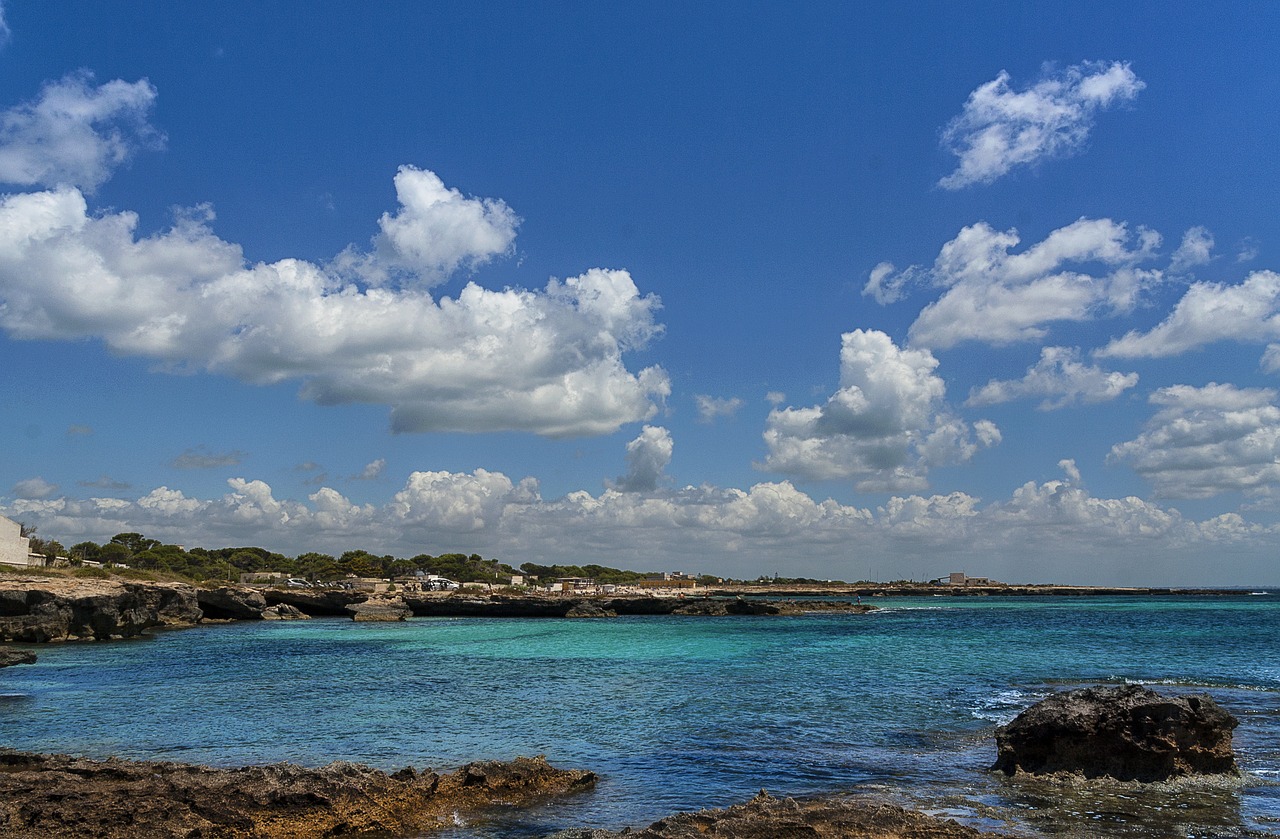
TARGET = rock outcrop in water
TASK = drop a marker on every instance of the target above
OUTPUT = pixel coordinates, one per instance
(380, 609)
(60, 797)
(774, 818)
(1128, 733)
(10, 657)
(64, 609)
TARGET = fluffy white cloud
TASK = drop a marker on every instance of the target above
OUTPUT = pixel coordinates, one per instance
(647, 457)
(75, 133)
(1206, 441)
(766, 528)
(710, 407)
(1060, 378)
(999, 297)
(436, 231)
(452, 501)
(886, 425)
(548, 361)
(1001, 128)
(1196, 249)
(1207, 313)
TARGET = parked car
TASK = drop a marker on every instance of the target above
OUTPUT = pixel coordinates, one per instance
(294, 582)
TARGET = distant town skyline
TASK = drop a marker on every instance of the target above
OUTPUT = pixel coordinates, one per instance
(822, 292)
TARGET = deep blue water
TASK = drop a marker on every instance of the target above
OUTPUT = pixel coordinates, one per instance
(681, 713)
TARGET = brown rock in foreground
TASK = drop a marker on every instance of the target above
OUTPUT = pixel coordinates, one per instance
(55, 796)
(1128, 733)
(772, 818)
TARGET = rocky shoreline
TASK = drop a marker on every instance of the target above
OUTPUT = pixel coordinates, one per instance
(37, 610)
(56, 796)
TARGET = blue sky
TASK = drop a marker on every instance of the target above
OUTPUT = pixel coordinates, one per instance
(735, 288)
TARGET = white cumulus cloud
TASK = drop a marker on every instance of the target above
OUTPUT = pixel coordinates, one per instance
(886, 425)
(436, 231)
(999, 297)
(1060, 378)
(76, 133)
(1209, 440)
(647, 457)
(1207, 313)
(1002, 128)
(547, 361)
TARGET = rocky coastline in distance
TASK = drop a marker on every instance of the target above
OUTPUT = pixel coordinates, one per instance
(37, 610)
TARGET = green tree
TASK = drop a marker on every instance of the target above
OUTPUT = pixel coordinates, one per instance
(114, 553)
(135, 542)
(81, 551)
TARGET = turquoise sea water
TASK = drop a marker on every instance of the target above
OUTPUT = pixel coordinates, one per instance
(682, 713)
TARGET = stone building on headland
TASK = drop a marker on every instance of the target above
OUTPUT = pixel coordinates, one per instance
(15, 549)
(959, 578)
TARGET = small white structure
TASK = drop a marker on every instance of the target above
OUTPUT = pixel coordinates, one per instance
(15, 549)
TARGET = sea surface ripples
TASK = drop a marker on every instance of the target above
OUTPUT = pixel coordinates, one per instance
(682, 713)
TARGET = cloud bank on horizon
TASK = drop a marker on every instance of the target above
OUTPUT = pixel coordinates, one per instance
(407, 323)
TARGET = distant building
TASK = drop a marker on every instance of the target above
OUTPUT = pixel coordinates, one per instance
(15, 549)
(670, 579)
(959, 578)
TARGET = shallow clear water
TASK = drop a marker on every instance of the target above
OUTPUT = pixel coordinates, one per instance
(681, 713)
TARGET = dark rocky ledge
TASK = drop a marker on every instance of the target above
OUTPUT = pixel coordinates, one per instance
(1128, 733)
(42, 609)
(773, 818)
(461, 604)
(57, 797)
(37, 610)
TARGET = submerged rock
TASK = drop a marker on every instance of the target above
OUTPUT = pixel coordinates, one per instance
(771, 818)
(55, 796)
(1128, 733)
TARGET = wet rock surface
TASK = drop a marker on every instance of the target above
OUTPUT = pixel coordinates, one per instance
(765, 817)
(55, 796)
(1128, 733)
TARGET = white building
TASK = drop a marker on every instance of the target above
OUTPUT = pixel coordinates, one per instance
(15, 549)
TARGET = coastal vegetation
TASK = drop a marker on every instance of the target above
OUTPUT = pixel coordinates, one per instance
(134, 554)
